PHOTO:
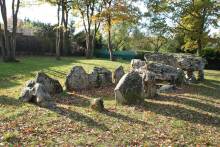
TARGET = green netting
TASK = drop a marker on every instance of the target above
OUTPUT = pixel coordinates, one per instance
(126, 55)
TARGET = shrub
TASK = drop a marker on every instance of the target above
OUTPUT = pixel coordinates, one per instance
(212, 56)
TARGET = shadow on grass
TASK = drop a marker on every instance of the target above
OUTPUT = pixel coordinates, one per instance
(190, 102)
(73, 99)
(84, 101)
(75, 116)
(6, 83)
(182, 113)
(82, 98)
(208, 88)
(26, 67)
(124, 118)
(8, 101)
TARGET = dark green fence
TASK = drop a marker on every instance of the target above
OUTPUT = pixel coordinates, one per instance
(126, 55)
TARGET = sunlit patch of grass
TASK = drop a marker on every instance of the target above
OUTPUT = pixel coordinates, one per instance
(188, 117)
(11, 137)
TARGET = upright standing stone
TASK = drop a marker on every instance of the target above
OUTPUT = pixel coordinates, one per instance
(77, 79)
(118, 74)
(190, 76)
(201, 75)
(100, 76)
(129, 90)
(149, 84)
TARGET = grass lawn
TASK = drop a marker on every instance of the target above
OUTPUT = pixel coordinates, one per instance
(188, 117)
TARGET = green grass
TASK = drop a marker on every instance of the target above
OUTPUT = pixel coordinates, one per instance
(188, 117)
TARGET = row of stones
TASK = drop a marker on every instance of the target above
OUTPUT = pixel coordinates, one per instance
(132, 88)
(78, 79)
(41, 89)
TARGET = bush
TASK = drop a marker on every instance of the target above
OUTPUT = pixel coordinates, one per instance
(213, 58)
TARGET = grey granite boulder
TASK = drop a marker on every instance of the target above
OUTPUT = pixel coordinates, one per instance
(40, 93)
(52, 85)
(191, 63)
(40, 90)
(186, 62)
(99, 77)
(36, 93)
(167, 59)
(26, 94)
(77, 79)
(129, 90)
(149, 84)
(137, 63)
(165, 72)
(118, 74)
(166, 89)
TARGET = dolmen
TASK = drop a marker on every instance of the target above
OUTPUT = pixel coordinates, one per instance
(158, 73)
(41, 89)
(187, 62)
(163, 72)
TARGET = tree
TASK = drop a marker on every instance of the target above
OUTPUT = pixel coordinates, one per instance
(86, 10)
(9, 43)
(115, 12)
(199, 16)
(192, 18)
(62, 33)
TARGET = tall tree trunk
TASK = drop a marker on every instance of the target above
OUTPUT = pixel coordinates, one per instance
(65, 31)
(201, 31)
(88, 40)
(2, 45)
(109, 39)
(94, 39)
(61, 28)
(88, 46)
(9, 43)
(199, 49)
(58, 33)
(15, 9)
(6, 33)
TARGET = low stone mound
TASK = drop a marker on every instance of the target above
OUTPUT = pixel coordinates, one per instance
(191, 63)
(40, 89)
(97, 104)
(118, 74)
